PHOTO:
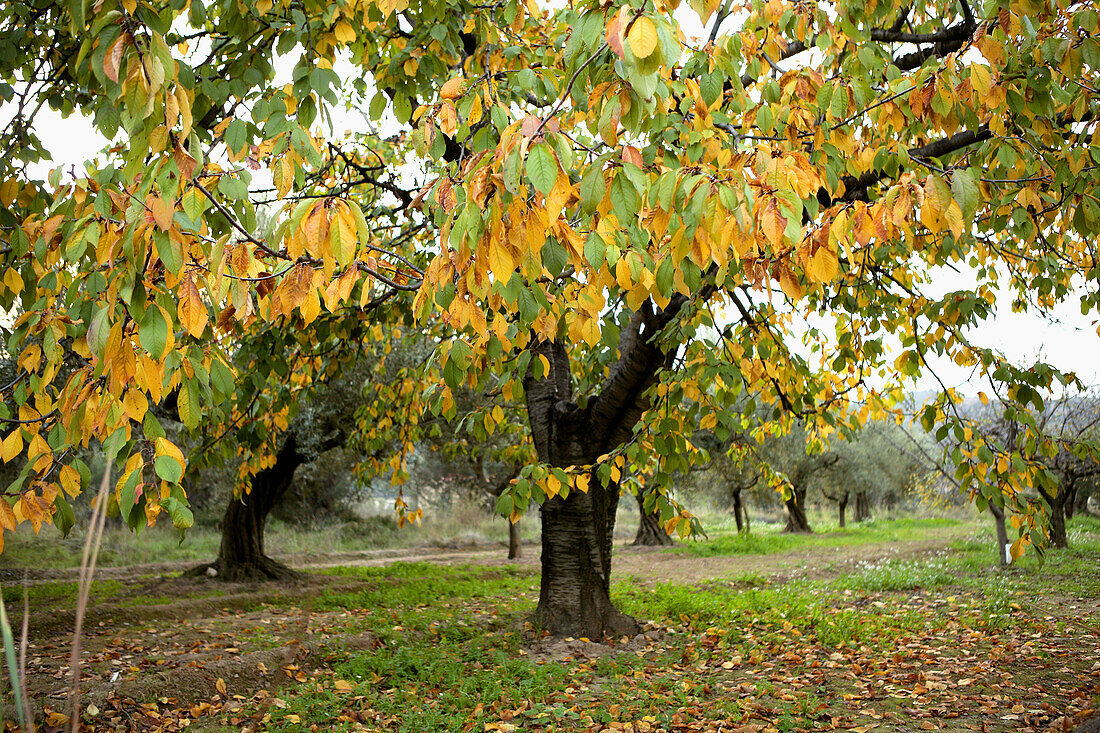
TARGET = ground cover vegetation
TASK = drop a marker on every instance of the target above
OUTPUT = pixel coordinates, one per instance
(599, 218)
(899, 626)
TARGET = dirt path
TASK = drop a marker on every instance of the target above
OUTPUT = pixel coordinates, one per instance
(646, 564)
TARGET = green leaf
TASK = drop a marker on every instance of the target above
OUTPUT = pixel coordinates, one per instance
(625, 199)
(505, 504)
(594, 248)
(542, 168)
(593, 188)
(236, 136)
(153, 331)
(168, 468)
(126, 495)
(63, 518)
(98, 332)
(964, 187)
(181, 516)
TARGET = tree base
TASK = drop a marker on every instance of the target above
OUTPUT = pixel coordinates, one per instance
(792, 529)
(262, 570)
(612, 622)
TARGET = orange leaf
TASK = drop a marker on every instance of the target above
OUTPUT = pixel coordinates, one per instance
(191, 311)
(453, 88)
(113, 57)
(615, 36)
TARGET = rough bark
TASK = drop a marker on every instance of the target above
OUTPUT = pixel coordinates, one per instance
(515, 541)
(242, 556)
(577, 530)
(796, 512)
(650, 531)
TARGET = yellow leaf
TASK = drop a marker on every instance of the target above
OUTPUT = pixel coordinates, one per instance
(448, 119)
(344, 32)
(500, 261)
(70, 480)
(165, 447)
(135, 404)
(7, 516)
(344, 239)
(642, 37)
(773, 221)
(12, 445)
(789, 283)
(823, 265)
(310, 307)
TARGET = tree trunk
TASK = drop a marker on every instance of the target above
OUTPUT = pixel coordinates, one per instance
(863, 506)
(650, 531)
(1070, 504)
(515, 541)
(1002, 534)
(577, 531)
(745, 511)
(575, 597)
(796, 512)
(242, 556)
(842, 505)
(1081, 502)
(736, 493)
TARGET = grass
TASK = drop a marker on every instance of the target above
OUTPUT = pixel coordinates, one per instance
(769, 539)
(454, 653)
(121, 547)
(453, 656)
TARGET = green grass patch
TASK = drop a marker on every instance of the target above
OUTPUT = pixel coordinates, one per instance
(58, 594)
(774, 540)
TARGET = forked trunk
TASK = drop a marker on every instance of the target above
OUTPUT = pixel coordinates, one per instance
(842, 505)
(650, 531)
(575, 597)
(796, 512)
(242, 556)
